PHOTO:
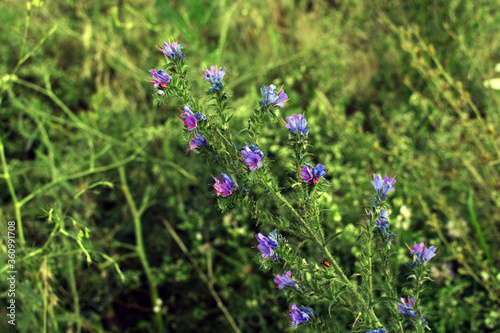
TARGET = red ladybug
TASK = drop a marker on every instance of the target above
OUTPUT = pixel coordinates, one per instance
(326, 263)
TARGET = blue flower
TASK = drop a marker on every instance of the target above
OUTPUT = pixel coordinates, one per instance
(300, 315)
(383, 186)
(200, 116)
(285, 280)
(229, 180)
(421, 254)
(172, 50)
(214, 76)
(160, 79)
(188, 118)
(225, 186)
(267, 244)
(296, 124)
(383, 223)
(256, 150)
(309, 173)
(198, 141)
(407, 308)
(253, 157)
(271, 98)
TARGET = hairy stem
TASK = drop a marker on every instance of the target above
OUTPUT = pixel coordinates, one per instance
(370, 266)
(319, 243)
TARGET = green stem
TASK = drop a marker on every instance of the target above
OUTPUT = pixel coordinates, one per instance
(141, 252)
(72, 280)
(389, 288)
(419, 276)
(228, 143)
(370, 265)
(257, 122)
(77, 122)
(81, 174)
(203, 276)
(80, 244)
(17, 204)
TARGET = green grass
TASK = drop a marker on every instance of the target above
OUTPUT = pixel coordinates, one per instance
(387, 86)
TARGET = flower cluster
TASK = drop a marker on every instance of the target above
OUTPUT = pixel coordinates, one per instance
(383, 186)
(160, 79)
(311, 175)
(214, 76)
(252, 157)
(225, 186)
(172, 50)
(271, 98)
(383, 224)
(407, 307)
(285, 280)
(300, 315)
(296, 124)
(421, 254)
(267, 244)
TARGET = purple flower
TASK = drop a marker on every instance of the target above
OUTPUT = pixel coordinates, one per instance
(300, 315)
(407, 308)
(306, 174)
(160, 79)
(378, 330)
(285, 280)
(421, 254)
(383, 186)
(214, 76)
(267, 244)
(198, 141)
(296, 124)
(253, 157)
(189, 118)
(256, 150)
(172, 51)
(271, 97)
(225, 186)
(309, 173)
(229, 180)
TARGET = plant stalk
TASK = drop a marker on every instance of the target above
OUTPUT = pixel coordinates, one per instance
(141, 252)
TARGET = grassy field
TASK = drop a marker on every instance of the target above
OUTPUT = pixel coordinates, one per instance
(94, 171)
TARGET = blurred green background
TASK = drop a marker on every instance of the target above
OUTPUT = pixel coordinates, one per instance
(387, 86)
